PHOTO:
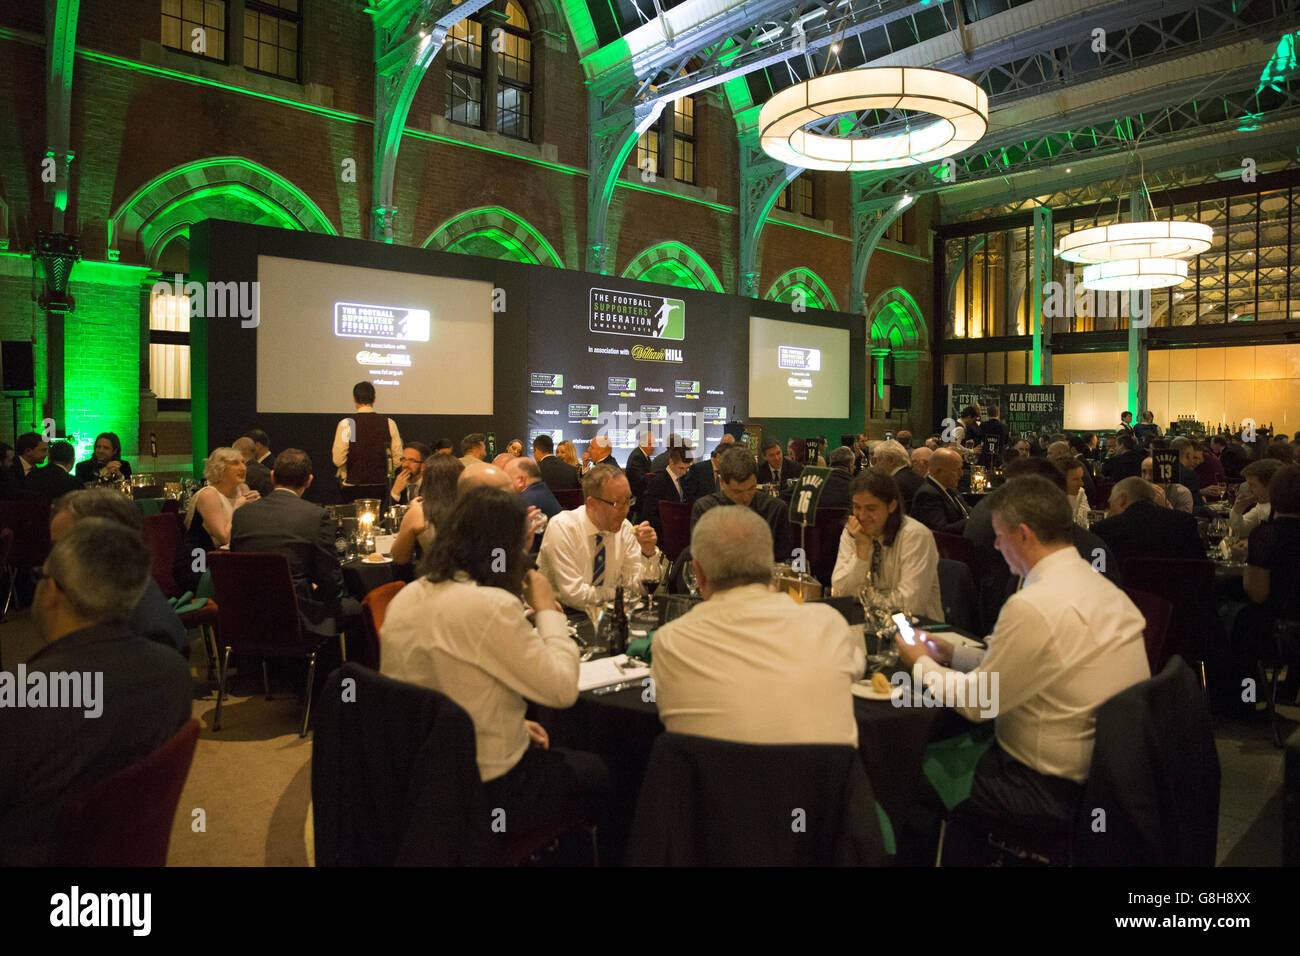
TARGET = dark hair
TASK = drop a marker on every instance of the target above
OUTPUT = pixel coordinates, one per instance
(472, 440)
(768, 443)
(1037, 503)
(544, 442)
(113, 439)
(799, 450)
(1080, 444)
(678, 455)
(259, 437)
(1122, 414)
(363, 393)
(1127, 442)
(1282, 451)
(736, 464)
(5, 449)
(483, 524)
(438, 488)
(291, 468)
(424, 450)
(1262, 470)
(1284, 490)
(1023, 467)
(62, 453)
(967, 412)
(440, 444)
(27, 441)
(885, 488)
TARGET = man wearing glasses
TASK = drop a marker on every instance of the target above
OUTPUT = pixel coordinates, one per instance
(588, 552)
(406, 486)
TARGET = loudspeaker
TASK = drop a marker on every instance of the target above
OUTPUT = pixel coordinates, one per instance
(19, 366)
(900, 398)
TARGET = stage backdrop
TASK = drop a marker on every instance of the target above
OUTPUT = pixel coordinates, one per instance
(457, 344)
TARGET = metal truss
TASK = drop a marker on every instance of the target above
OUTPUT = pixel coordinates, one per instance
(408, 36)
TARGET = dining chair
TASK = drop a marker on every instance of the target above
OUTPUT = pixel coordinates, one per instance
(956, 547)
(826, 546)
(570, 498)
(30, 523)
(1188, 585)
(1158, 612)
(162, 532)
(257, 615)
(126, 819)
(675, 519)
(957, 595)
(373, 608)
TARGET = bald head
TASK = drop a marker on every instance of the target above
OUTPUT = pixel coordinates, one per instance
(921, 460)
(945, 467)
(523, 472)
(245, 447)
(479, 474)
(731, 547)
(1129, 491)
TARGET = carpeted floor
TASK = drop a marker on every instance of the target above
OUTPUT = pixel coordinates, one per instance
(247, 797)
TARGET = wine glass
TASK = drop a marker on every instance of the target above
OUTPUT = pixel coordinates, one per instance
(688, 578)
(1217, 531)
(652, 573)
(878, 606)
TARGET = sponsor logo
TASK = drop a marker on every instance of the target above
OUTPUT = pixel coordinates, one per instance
(628, 313)
(648, 353)
(366, 357)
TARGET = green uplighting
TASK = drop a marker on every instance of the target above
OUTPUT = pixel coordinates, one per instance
(673, 263)
(498, 233)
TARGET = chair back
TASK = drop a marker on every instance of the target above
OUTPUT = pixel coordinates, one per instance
(957, 594)
(1158, 612)
(170, 506)
(675, 519)
(717, 803)
(373, 608)
(30, 523)
(570, 498)
(257, 607)
(394, 780)
(1187, 584)
(1155, 772)
(955, 547)
(126, 818)
(824, 546)
(163, 532)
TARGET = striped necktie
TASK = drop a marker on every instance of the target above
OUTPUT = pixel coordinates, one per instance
(876, 555)
(598, 566)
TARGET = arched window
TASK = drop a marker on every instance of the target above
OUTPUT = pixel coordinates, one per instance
(506, 67)
(673, 263)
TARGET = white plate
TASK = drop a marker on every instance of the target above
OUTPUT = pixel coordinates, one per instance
(864, 690)
(387, 560)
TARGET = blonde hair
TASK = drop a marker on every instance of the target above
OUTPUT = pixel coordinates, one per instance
(218, 462)
(566, 451)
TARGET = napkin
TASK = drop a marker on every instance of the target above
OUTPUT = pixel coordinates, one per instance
(606, 671)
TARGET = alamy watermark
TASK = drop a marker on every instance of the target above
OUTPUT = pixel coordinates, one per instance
(946, 688)
(58, 689)
(1068, 299)
(216, 300)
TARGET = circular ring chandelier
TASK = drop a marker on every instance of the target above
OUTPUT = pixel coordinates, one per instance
(1123, 275)
(1154, 239)
(961, 109)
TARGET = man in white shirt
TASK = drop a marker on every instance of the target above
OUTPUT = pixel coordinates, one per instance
(1252, 508)
(473, 449)
(1074, 490)
(587, 552)
(750, 665)
(364, 445)
(1064, 644)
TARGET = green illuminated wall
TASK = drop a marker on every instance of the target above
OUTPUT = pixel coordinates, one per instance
(102, 362)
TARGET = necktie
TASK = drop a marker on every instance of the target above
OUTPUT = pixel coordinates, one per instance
(961, 505)
(598, 566)
(876, 555)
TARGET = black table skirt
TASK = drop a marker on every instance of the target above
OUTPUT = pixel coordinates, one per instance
(361, 577)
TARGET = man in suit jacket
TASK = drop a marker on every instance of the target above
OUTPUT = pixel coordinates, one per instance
(1139, 528)
(638, 469)
(49, 482)
(702, 478)
(282, 523)
(133, 694)
(1127, 464)
(600, 451)
(835, 493)
(558, 474)
(528, 484)
(262, 447)
(257, 476)
(893, 459)
(738, 483)
(936, 503)
(775, 467)
(666, 485)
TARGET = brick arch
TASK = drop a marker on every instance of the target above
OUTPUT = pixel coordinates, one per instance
(495, 227)
(221, 187)
(800, 280)
(897, 322)
(673, 263)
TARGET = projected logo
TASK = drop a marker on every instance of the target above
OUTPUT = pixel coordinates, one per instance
(654, 412)
(357, 320)
(648, 353)
(714, 415)
(799, 359)
(384, 359)
(622, 387)
(625, 313)
(685, 388)
(585, 414)
(557, 434)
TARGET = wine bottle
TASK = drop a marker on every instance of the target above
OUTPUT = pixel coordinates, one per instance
(618, 634)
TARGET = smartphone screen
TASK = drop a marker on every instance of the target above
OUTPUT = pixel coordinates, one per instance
(905, 630)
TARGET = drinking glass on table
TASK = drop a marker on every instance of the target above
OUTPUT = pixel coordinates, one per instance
(652, 574)
(879, 605)
(1218, 529)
